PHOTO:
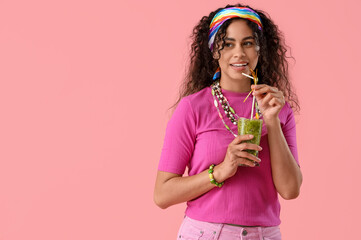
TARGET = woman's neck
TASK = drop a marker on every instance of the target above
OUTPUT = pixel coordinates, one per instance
(241, 85)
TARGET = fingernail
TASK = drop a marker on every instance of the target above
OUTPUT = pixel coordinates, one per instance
(260, 148)
(251, 136)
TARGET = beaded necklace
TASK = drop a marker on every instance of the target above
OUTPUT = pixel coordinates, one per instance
(219, 98)
(229, 111)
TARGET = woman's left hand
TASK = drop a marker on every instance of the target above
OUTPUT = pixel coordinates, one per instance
(270, 101)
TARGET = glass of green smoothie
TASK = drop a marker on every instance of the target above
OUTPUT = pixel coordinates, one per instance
(251, 126)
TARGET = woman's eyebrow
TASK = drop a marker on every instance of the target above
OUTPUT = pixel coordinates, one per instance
(232, 39)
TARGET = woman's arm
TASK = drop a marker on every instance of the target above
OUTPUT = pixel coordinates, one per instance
(171, 188)
(287, 176)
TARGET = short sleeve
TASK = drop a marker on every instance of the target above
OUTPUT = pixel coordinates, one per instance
(289, 131)
(179, 139)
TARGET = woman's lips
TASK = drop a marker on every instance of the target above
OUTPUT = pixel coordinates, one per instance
(239, 67)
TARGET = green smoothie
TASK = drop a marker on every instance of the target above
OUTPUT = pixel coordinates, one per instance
(251, 126)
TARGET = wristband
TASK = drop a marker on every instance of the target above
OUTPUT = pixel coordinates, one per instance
(210, 171)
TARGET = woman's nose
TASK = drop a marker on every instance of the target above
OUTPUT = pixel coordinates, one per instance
(239, 51)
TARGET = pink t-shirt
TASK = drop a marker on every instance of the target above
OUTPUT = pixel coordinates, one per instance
(196, 138)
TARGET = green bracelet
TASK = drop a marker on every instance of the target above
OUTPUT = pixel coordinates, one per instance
(210, 171)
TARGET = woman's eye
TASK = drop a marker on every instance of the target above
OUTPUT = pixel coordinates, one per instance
(228, 45)
(248, 44)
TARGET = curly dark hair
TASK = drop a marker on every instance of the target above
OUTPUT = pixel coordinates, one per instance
(272, 63)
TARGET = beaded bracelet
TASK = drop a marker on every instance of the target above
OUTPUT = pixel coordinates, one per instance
(210, 171)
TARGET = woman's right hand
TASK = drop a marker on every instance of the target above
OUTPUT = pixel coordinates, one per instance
(236, 155)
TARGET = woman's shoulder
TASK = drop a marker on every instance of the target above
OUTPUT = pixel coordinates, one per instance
(197, 102)
(287, 108)
(286, 113)
(201, 94)
(199, 98)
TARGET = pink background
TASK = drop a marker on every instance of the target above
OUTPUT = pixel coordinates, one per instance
(84, 92)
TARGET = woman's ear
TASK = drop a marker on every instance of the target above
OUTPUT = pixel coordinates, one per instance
(215, 51)
(216, 55)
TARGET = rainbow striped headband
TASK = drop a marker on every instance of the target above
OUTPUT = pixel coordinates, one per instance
(229, 13)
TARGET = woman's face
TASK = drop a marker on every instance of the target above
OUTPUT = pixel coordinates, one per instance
(239, 53)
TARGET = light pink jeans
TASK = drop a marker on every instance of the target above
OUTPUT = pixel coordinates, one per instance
(193, 230)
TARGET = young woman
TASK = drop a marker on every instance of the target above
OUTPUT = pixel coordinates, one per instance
(228, 196)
